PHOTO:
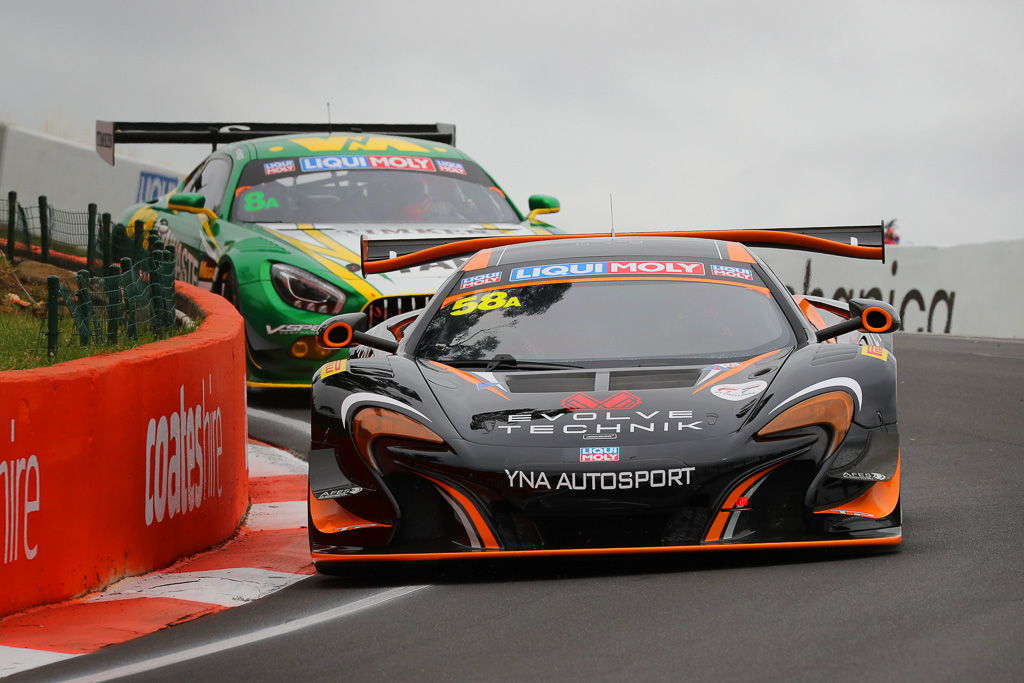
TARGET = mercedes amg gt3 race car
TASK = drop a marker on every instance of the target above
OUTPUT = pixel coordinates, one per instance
(589, 394)
(272, 220)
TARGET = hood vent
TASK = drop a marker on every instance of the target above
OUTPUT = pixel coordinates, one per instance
(652, 379)
(833, 353)
(549, 382)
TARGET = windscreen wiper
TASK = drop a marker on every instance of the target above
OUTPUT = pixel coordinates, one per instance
(504, 360)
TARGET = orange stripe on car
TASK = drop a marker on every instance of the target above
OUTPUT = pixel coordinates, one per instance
(479, 260)
(479, 523)
(810, 312)
(738, 252)
(329, 517)
(715, 532)
(468, 377)
(643, 550)
(714, 379)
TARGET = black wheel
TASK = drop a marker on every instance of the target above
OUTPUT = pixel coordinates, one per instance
(228, 286)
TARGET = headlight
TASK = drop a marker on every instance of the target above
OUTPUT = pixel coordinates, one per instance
(833, 410)
(306, 291)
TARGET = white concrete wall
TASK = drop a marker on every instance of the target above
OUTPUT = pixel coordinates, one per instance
(970, 289)
(72, 175)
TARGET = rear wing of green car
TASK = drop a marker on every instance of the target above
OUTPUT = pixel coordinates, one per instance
(856, 241)
(110, 133)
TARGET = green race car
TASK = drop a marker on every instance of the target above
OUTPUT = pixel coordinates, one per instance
(272, 220)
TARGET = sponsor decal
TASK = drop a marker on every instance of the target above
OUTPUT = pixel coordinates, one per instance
(594, 423)
(450, 167)
(339, 493)
(732, 271)
(256, 201)
(207, 269)
(623, 400)
(864, 476)
(599, 481)
(186, 265)
(183, 451)
(739, 392)
(482, 279)
(712, 370)
(875, 352)
(153, 185)
(563, 270)
(344, 163)
(20, 496)
(333, 368)
(599, 454)
(275, 167)
(292, 328)
(487, 302)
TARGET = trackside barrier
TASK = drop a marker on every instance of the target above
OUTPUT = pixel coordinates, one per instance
(119, 464)
(965, 289)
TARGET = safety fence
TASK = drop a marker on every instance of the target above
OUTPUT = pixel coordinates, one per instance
(108, 302)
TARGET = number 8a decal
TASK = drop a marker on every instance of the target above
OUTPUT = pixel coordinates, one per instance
(487, 302)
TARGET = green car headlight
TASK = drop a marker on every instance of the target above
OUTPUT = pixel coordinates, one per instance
(306, 291)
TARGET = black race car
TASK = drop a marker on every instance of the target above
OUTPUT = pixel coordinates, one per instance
(592, 394)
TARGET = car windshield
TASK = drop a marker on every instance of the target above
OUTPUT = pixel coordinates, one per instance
(368, 189)
(639, 321)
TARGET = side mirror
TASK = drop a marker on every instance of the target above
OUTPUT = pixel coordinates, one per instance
(542, 203)
(191, 203)
(189, 200)
(347, 329)
(868, 315)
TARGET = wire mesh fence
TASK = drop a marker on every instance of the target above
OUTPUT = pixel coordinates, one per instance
(69, 239)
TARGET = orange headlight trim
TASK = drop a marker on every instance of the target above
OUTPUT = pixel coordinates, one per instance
(833, 410)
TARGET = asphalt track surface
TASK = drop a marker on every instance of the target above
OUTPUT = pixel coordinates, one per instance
(949, 605)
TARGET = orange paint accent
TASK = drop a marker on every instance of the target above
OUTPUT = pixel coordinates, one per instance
(738, 252)
(468, 377)
(479, 260)
(716, 547)
(715, 379)
(715, 532)
(626, 278)
(330, 517)
(878, 501)
(883, 328)
(767, 237)
(479, 523)
(78, 451)
(372, 422)
(834, 410)
(398, 329)
(810, 312)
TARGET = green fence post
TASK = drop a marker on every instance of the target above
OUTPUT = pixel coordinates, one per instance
(12, 221)
(90, 249)
(82, 315)
(44, 228)
(128, 284)
(110, 284)
(137, 242)
(105, 243)
(52, 304)
(168, 279)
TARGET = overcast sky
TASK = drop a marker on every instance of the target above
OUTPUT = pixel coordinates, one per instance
(691, 114)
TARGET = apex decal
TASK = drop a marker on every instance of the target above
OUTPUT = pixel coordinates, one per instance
(562, 270)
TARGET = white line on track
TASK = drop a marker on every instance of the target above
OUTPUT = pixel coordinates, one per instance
(366, 603)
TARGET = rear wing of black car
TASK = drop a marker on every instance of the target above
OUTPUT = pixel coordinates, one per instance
(110, 133)
(857, 241)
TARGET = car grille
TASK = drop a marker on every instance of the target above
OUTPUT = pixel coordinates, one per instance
(379, 310)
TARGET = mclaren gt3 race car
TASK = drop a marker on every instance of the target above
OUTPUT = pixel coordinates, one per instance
(272, 220)
(587, 394)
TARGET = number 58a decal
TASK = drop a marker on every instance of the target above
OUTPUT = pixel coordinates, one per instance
(487, 302)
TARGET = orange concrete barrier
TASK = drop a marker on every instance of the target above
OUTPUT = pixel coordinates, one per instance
(120, 464)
